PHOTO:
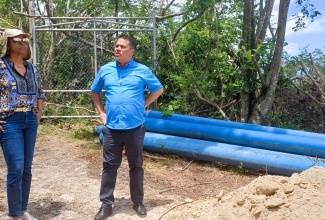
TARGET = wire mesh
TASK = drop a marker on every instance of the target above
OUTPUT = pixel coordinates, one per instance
(69, 56)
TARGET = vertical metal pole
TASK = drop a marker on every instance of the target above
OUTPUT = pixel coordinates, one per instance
(31, 13)
(95, 48)
(21, 11)
(154, 51)
(95, 56)
(154, 66)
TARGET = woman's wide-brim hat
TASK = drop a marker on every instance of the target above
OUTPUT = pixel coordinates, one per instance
(13, 33)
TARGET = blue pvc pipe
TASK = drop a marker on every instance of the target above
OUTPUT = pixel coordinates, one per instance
(259, 159)
(101, 138)
(229, 124)
(99, 129)
(258, 139)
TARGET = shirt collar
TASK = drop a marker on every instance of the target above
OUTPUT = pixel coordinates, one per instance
(12, 63)
(128, 64)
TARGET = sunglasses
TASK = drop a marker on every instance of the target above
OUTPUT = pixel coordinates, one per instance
(18, 40)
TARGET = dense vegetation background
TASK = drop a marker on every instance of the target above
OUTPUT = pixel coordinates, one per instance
(216, 58)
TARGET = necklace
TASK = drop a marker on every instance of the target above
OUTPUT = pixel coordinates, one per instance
(21, 65)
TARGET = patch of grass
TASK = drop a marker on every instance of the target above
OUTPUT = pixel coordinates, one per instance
(240, 169)
(81, 129)
(86, 134)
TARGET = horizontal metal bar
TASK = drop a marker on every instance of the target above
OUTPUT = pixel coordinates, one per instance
(125, 24)
(121, 18)
(90, 21)
(88, 90)
(94, 29)
(65, 23)
(72, 116)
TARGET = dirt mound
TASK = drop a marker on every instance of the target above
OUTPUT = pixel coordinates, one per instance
(298, 197)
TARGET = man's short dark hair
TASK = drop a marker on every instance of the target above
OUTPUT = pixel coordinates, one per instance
(132, 40)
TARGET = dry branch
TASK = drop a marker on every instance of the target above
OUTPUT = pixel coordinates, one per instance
(153, 157)
(184, 168)
(172, 209)
(198, 94)
(315, 80)
(171, 189)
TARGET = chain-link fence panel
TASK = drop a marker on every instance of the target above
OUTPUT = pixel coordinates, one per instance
(69, 56)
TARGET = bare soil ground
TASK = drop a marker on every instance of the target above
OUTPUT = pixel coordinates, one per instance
(66, 181)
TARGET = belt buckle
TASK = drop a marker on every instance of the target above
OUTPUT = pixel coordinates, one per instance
(23, 109)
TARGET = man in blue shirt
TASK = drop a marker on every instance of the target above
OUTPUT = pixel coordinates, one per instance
(124, 81)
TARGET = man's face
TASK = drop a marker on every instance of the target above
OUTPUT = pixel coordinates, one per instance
(123, 52)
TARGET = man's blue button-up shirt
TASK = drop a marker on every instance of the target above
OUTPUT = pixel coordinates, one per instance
(125, 92)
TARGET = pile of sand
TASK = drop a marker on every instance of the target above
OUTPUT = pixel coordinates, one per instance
(299, 197)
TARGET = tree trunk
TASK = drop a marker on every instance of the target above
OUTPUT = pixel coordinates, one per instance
(264, 103)
(248, 42)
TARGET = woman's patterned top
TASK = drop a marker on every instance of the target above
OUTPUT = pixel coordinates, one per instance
(18, 91)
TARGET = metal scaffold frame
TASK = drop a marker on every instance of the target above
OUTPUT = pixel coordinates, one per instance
(55, 24)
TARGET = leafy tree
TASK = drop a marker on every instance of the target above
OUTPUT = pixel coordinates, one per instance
(217, 58)
(259, 57)
(255, 64)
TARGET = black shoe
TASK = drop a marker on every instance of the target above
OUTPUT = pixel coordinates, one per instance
(104, 213)
(140, 209)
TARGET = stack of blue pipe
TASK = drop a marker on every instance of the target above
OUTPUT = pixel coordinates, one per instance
(269, 149)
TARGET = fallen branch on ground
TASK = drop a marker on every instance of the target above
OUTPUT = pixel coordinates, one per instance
(197, 184)
(172, 209)
(153, 157)
(184, 168)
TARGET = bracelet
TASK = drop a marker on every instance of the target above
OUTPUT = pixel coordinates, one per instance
(39, 110)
